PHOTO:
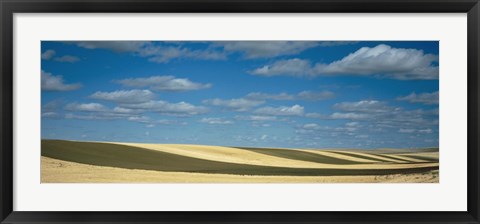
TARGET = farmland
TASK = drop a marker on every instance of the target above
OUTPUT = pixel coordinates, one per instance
(112, 162)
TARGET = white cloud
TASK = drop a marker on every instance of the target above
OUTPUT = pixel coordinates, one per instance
(214, 120)
(426, 131)
(290, 67)
(380, 61)
(295, 110)
(163, 107)
(67, 58)
(346, 128)
(425, 98)
(164, 83)
(155, 52)
(256, 118)
(411, 130)
(368, 106)
(112, 115)
(93, 116)
(122, 110)
(125, 96)
(304, 95)
(140, 119)
(164, 54)
(311, 126)
(56, 83)
(267, 96)
(352, 116)
(267, 49)
(397, 63)
(352, 124)
(50, 115)
(150, 123)
(48, 54)
(115, 46)
(240, 104)
(86, 107)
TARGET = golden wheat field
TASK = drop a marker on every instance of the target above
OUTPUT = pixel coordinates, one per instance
(112, 162)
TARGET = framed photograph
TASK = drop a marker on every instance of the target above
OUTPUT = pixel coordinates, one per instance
(239, 111)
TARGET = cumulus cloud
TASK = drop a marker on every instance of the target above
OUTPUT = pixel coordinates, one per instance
(295, 110)
(86, 107)
(67, 58)
(351, 116)
(164, 54)
(115, 46)
(311, 126)
(304, 95)
(426, 131)
(122, 110)
(267, 96)
(133, 112)
(51, 82)
(51, 109)
(94, 116)
(215, 120)
(384, 115)
(164, 83)
(256, 118)
(140, 119)
(155, 52)
(398, 63)
(367, 106)
(267, 49)
(50, 115)
(163, 107)
(48, 54)
(289, 67)
(125, 96)
(352, 124)
(121, 115)
(425, 98)
(240, 104)
(381, 61)
(411, 130)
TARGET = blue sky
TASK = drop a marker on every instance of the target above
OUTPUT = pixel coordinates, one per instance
(327, 94)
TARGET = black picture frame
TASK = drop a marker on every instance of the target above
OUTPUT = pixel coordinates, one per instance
(9, 7)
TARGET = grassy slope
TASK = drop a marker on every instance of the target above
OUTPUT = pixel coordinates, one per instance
(113, 155)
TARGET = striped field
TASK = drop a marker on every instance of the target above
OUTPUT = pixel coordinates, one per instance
(79, 162)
